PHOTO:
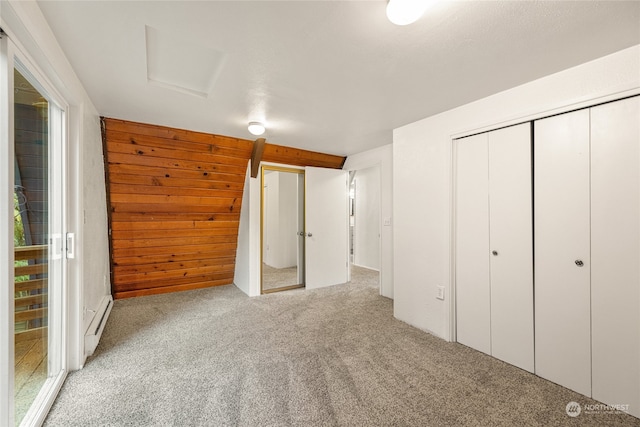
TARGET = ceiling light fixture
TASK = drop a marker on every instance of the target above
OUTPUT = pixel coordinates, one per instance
(256, 128)
(405, 12)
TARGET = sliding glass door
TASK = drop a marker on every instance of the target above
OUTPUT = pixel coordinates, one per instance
(34, 262)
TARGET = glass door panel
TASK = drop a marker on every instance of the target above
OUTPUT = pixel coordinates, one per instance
(31, 239)
(38, 222)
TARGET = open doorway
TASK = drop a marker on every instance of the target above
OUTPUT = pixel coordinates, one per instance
(364, 225)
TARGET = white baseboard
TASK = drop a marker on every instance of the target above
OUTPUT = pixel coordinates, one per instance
(364, 266)
(94, 332)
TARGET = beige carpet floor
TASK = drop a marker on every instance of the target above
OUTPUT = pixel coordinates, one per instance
(325, 357)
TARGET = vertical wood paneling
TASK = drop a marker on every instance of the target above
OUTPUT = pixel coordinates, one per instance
(174, 198)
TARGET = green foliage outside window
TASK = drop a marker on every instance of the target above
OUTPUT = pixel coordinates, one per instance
(18, 234)
(18, 227)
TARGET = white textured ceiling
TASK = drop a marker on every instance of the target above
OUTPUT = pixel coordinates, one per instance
(330, 76)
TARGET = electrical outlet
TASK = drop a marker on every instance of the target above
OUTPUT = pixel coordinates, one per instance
(440, 294)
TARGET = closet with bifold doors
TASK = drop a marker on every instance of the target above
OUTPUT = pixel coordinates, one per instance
(494, 270)
(547, 248)
(587, 251)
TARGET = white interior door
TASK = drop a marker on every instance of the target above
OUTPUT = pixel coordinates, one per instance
(473, 305)
(615, 253)
(327, 227)
(511, 240)
(562, 251)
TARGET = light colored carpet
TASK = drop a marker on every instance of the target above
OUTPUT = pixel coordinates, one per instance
(326, 357)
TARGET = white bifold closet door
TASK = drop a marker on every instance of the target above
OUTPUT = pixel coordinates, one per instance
(494, 273)
(511, 238)
(615, 253)
(587, 251)
(562, 233)
(473, 289)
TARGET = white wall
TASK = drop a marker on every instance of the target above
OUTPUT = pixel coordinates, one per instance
(247, 273)
(382, 157)
(367, 218)
(242, 275)
(422, 174)
(26, 26)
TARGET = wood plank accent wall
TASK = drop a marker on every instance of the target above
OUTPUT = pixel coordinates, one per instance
(174, 204)
(175, 199)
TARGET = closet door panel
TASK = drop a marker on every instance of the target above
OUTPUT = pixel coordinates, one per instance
(561, 236)
(615, 252)
(472, 244)
(511, 245)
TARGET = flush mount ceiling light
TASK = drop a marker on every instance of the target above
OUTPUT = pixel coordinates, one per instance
(405, 12)
(256, 128)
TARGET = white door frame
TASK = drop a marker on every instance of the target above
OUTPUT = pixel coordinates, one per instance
(12, 56)
(263, 219)
(6, 247)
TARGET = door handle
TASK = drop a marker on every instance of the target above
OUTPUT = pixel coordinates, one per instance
(495, 253)
(71, 245)
(309, 234)
(579, 263)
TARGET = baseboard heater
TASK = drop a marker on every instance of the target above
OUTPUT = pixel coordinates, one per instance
(94, 332)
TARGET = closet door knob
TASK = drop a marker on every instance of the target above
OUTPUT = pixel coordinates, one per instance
(309, 234)
(495, 253)
(579, 263)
